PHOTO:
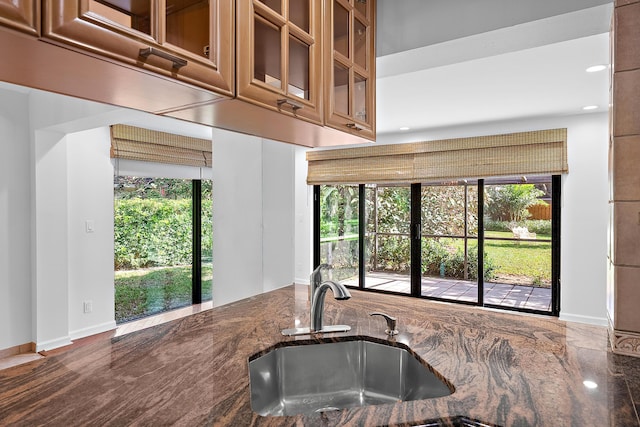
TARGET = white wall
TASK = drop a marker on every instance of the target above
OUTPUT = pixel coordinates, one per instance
(55, 174)
(90, 253)
(237, 216)
(278, 174)
(255, 206)
(584, 204)
(585, 218)
(303, 255)
(15, 220)
(51, 269)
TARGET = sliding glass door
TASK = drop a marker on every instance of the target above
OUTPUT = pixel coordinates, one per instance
(517, 241)
(162, 239)
(494, 243)
(206, 239)
(339, 222)
(449, 244)
(388, 240)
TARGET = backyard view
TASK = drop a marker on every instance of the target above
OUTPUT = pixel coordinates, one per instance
(517, 238)
(153, 245)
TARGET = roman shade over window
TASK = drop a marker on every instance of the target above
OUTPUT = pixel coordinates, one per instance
(524, 153)
(133, 143)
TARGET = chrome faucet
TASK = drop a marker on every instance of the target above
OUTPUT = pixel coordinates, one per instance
(340, 292)
(317, 302)
(316, 279)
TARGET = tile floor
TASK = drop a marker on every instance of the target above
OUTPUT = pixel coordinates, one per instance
(518, 296)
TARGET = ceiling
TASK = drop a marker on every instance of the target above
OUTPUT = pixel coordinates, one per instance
(504, 67)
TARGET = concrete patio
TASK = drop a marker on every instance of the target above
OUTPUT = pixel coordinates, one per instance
(507, 295)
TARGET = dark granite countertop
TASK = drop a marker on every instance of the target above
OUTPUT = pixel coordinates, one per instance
(508, 369)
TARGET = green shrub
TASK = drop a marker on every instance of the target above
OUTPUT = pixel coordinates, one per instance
(438, 258)
(539, 226)
(433, 255)
(156, 232)
(394, 254)
(491, 225)
(489, 266)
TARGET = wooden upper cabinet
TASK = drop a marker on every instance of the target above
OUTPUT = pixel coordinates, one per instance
(350, 66)
(190, 40)
(21, 15)
(279, 56)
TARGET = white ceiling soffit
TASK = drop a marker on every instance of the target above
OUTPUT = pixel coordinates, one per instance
(68, 115)
(409, 24)
(528, 70)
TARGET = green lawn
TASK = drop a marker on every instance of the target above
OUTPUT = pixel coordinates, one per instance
(515, 261)
(513, 258)
(140, 293)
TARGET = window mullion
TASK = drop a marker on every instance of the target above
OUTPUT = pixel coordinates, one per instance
(416, 240)
(362, 229)
(196, 254)
(481, 242)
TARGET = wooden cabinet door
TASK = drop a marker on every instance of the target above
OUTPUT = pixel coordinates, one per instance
(190, 40)
(279, 56)
(350, 66)
(21, 15)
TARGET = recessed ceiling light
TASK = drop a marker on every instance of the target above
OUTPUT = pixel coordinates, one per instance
(595, 68)
(590, 107)
(405, 128)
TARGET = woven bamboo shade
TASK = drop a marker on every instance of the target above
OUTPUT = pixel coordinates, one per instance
(524, 153)
(134, 143)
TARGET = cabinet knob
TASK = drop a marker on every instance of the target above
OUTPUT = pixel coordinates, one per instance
(355, 126)
(177, 62)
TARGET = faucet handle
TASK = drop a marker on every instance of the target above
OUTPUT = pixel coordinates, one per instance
(391, 323)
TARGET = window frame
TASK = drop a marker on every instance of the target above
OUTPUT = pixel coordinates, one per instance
(415, 237)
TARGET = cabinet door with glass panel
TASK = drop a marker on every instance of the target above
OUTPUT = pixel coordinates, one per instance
(190, 40)
(279, 56)
(350, 66)
(21, 15)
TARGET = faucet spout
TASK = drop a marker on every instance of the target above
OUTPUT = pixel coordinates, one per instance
(340, 292)
(318, 292)
(316, 279)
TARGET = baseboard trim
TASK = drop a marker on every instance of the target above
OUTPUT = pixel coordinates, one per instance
(53, 344)
(590, 320)
(302, 281)
(623, 342)
(93, 330)
(29, 347)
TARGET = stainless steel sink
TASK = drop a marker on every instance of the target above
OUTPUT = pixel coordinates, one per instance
(315, 377)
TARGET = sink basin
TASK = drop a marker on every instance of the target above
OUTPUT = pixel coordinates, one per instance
(305, 377)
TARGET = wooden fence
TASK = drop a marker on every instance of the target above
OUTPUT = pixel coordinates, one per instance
(540, 211)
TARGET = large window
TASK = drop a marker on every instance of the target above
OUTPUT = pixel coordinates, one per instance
(163, 241)
(493, 242)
